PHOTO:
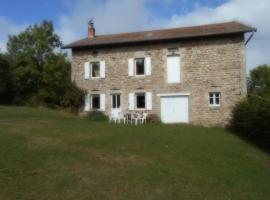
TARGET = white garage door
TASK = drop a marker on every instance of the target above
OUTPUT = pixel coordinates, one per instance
(174, 109)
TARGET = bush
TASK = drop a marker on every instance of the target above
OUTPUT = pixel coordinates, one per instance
(251, 118)
(97, 116)
(73, 98)
(152, 118)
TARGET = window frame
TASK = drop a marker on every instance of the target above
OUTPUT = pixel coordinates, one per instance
(214, 97)
(140, 94)
(135, 67)
(91, 103)
(91, 70)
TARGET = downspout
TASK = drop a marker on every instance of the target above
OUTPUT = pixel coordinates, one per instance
(249, 38)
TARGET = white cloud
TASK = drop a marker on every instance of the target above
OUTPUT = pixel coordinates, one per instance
(8, 28)
(123, 15)
(254, 13)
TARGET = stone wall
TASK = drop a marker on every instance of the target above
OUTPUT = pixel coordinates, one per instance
(207, 65)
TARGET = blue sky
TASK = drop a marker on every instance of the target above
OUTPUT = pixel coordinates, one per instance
(33, 11)
(111, 16)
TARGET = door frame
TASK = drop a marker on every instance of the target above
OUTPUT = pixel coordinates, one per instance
(111, 100)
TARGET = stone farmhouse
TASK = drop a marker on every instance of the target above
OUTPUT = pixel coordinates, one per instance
(184, 75)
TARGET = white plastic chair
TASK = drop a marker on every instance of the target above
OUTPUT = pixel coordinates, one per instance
(144, 117)
(135, 118)
(121, 117)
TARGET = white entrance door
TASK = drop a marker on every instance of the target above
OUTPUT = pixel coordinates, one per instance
(174, 109)
(115, 104)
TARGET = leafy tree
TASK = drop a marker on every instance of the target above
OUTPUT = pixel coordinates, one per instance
(260, 80)
(29, 51)
(6, 86)
(41, 72)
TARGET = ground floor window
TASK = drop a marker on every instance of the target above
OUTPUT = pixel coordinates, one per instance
(140, 100)
(95, 102)
(214, 98)
(116, 101)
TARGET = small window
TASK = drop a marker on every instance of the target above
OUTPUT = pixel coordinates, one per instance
(95, 104)
(214, 98)
(95, 69)
(116, 101)
(139, 66)
(140, 100)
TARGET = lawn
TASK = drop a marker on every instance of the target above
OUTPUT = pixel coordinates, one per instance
(46, 154)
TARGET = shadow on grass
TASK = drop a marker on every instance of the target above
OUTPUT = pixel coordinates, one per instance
(262, 143)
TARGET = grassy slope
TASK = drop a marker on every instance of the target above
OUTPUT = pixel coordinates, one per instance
(49, 155)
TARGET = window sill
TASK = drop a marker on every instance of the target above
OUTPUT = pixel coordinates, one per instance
(214, 106)
(139, 76)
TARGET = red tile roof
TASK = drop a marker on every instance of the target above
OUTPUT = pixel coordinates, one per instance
(163, 34)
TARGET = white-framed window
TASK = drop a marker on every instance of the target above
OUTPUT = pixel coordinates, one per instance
(139, 64)
(214, 98)
(140, 100)
(95, 102)
(95, 69)
(139, 67)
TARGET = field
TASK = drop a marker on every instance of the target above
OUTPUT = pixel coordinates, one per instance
(47, 154)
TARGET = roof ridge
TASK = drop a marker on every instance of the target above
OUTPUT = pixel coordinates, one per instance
(203, 30)
(172, 28)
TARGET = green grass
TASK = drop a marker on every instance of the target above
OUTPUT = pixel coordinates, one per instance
(46, 154)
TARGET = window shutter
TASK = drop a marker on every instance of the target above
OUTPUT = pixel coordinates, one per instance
(86, 70)
(131, 101)
(173, 69)
(148, 100)
(130, 67)
(102, 69)
(148, 66)
(102, 102)
(87, 102)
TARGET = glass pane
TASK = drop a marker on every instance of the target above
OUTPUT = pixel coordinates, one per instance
(139, 66)
(118, 101)
(211, 100)
(113, 101)
(217, 99)
(95, 102)
(140, 100)
(95, 69)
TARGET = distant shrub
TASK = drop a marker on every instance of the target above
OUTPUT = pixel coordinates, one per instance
(97, 116)
(73, 98)
(251, 118)
(152, 118)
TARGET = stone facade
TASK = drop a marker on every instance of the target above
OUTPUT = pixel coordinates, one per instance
(215, 64)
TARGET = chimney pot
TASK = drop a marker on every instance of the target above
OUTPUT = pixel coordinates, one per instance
(91, 30)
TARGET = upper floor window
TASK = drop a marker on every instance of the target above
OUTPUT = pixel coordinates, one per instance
(173, 69)
(95, 69)
(214, 98)
(139, 66)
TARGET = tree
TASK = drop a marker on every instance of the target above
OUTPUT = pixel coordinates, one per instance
(260, 80)
(41, 72)
(29, 51)
(6, 86)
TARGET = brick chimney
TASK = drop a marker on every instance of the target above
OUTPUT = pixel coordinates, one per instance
(91, 29)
